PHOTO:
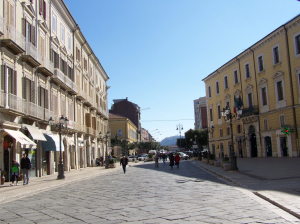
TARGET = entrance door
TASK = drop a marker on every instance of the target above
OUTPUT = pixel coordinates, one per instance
(283, 146)
(268, 145)
(214, 149)
(253, 145)
(222, 150)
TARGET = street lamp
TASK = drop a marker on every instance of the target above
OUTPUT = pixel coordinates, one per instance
(116, 138)
(239, 140)
(179, 127)
(106, 137)
(62, 124)
(227, 115)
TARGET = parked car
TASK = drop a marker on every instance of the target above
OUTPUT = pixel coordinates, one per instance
(183, 155)
(143, 157)
(132, 158)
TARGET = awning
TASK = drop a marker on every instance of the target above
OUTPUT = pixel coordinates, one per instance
(20, 137)
(52, 143)
(35, 133)
(80, 142)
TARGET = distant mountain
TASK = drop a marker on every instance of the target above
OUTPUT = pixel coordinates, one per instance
(170, 140)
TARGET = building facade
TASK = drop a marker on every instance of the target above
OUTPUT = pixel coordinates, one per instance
(200, 113)
(48, 70)
(264, 81)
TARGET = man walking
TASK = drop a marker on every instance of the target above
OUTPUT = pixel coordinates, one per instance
(124, 162)
(25, 166)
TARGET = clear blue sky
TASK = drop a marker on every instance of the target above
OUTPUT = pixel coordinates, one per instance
(156, 52)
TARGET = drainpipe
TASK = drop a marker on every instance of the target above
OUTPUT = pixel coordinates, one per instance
(291, 88)
(256, 96)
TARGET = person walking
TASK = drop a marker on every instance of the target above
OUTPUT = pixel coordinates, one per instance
(156, 161)
(164, 158)
(171, 158)
(15, 172)
(177, 159)
(25, 166)
(124, 162)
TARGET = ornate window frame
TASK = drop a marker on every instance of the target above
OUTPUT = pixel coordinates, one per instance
(263, 83)
(279, 76)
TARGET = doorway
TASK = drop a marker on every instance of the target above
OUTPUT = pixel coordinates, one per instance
(268, 144)
(253, 141)
(283, 146)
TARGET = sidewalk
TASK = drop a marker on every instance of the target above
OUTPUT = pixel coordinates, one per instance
(276, 180)
(39, 184)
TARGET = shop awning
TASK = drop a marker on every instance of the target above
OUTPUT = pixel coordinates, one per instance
(52, 143)
(35, 133)
(20, 137)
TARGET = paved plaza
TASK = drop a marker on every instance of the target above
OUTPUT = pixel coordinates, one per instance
(144, 194)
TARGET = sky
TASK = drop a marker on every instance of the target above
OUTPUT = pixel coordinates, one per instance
(156, 52)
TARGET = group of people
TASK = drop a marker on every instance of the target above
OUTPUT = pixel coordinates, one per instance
(99, 161)
(172, 159)
(15, 170)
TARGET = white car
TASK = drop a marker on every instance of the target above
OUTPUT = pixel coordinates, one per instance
(183, 155)
(132, 158)
(143, 157)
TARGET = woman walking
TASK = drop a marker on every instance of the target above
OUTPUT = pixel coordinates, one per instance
(171, 158)
(15, 172)
(177, 159)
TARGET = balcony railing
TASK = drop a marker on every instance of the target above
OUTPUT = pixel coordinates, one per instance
(33, 52)
(15, 103)
(11, 33)
(82, 128)
(2, 98)
(46, 63)
(59, 75)
(2, 25)
(48, 114)
(33, 110)
(81, 94)
(68, 82)
(74, 87)
(89, 131)
(253, 110)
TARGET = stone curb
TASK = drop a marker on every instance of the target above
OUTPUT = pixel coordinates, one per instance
(261, 195)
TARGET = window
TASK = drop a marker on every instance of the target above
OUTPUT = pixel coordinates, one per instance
(9, 13)
(226, 82)
(282, 120)
(235, 76)
(297, 44)
(55, 59)
(280, 91)
(85, 64)
(266, 125)
(238, 127)
(54, 23)
(219, 112)
(250, 102)
(77, 54)
(260, 63)
(211, 114)
(217, 88)
(209, 92)
(221, 132)
(276, 57)
(62, 34)
(69, 42)
(28, 32)
(42, 8)
(63, 66)
(228, 130)
(264, 96)
(28, 90)
(247, 71)
(11, 80)
(227, 104)
(43, 97)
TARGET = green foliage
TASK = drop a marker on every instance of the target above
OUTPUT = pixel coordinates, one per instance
(183, 143)
(150, 156)
(112, 160)
(201, 137)
(149, 146)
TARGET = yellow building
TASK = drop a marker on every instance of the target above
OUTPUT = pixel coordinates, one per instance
(266, 77)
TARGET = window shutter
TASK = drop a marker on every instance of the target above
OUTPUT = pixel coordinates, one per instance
(3, 77)
(72, 74)
(40, 96)
(24, 27)
(41, 6)
(12, 15)
(78, 115)
(32, 92)
(46, 99)
(57, 60)
(33, 35)
(54, 104)
(62, 107)
(24, 87)
(88, 120)
(15, 83)
(65, 68)
(44, 9)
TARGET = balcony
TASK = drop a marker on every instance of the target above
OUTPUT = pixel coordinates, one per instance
(46, 68)
(81, 128)
(1, 26)
(33, 111)
(64, 81)
(13, 40)
(81, 95)
(250, 111)
(32, 55)
(90, 131)
(88, 101)
(48, 114)
(2, 98)
(13, 105)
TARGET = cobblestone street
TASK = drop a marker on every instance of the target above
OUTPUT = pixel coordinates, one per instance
(145, 195)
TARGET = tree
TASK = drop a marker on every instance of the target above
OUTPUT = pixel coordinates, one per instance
(183, 143)
(201, 138)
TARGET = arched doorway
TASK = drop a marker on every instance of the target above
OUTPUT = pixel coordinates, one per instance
(253, 141)
(268, 145)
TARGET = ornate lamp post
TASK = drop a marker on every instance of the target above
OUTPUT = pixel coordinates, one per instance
(106, 137)
(239, 140)
(179, 127)
(227, 115)
(62, 124)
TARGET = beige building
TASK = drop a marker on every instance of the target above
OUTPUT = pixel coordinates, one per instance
(49, 70)
(266, 77)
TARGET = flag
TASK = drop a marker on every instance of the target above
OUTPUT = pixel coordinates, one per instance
(240, 102)
(236, 105)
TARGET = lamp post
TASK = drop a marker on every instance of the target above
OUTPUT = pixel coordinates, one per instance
(239, 140)
(106, 137)
(179, 127)
(63, 123)
(212, 129)
(227, 115)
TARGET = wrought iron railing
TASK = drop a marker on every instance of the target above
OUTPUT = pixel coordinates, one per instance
(48, 64)
(33, 52)
(249, 111)
(15, 103)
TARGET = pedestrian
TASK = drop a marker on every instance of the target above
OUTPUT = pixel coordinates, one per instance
(25, 166)
(15, 172)
(101, 160)
(124, 162)
(164, 158)
(156, 161)
(177, 159)
(171, 158)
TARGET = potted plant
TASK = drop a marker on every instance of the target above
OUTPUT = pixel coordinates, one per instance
(150, 157)
(112, 162)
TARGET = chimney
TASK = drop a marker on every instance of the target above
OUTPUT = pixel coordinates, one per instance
(126, 98)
